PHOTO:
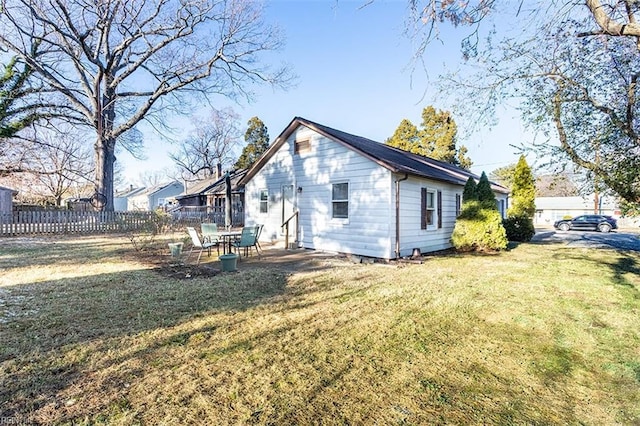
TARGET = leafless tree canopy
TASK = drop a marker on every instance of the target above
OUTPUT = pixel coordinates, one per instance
(571, 67)
(118, 62)
(212, 142)
(48, 164)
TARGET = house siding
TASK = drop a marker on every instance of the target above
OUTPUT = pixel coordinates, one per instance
(147, 201)
(411, 234)
(368, 227)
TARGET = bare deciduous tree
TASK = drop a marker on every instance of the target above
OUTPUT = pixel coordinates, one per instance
(49, 163)
(211, 143)
(123, 61)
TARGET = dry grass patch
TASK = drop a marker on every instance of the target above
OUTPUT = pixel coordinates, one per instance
(540, 334)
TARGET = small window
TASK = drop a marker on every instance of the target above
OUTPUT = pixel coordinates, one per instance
(161, 202)
(428, 208)
(302, 146)
(264, 201)
(458, 204)
(340, 201)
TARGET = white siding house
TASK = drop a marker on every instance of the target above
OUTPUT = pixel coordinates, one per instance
(551, 209)
(353, 195)
(154, 197)
(121, 198)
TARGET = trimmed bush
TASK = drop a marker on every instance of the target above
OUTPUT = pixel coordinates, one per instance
(479, 229)
(519, 228)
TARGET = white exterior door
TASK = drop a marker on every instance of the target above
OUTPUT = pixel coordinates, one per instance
(288, 208)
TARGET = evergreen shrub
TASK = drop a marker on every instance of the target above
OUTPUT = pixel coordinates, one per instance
(479, 228)
(519, 228)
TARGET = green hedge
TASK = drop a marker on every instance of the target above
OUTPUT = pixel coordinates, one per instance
(479, 228)
(519, 228)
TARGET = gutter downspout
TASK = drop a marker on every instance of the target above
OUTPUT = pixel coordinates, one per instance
(406, 176)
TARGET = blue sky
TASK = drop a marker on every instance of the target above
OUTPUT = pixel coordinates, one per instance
(354, 74)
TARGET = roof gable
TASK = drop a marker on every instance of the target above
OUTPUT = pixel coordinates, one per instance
(128, 192)
(393, 159)
(200, 186)
(220, 187)
(157, 188)
(215, 186)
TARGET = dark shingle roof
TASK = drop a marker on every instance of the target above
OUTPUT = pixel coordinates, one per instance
(394, 159)
(215, 185)
(220, 187)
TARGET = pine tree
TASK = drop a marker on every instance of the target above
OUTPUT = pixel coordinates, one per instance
(405, 137)
(436, 138)
(15, 115)
(257, 138)
(485, 195)
(438, 135)
(523, 190)
(470, 192)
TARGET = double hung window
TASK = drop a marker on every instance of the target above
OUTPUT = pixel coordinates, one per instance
(264, 201)
(340, 200)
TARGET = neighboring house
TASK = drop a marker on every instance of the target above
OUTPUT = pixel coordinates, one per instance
(209, 196)
(216, 194)
(354, 195)
(550, 209)
(121, 198)
(6, 199)
(155, 197)
(194, 196)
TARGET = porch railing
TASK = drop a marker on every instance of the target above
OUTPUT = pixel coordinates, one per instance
(285, 225)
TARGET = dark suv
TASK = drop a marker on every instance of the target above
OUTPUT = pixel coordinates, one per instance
(587, 222)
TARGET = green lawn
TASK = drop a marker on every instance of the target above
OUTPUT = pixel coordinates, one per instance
(541, 334)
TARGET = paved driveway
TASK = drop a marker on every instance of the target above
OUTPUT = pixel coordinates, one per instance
(621, 240)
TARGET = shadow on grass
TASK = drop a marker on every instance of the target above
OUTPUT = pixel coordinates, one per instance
(626, 265)
(49, 329)
(41, 321)
(49, 315)
(620, 265)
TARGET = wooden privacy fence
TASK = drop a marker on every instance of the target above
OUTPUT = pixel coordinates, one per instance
(71, 222)
(79, 222)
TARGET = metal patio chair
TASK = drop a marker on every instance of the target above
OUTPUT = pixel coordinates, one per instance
(196, 243)
(248, 239)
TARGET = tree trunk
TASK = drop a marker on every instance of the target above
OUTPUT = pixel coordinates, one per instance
(105, 147)
(105, 159)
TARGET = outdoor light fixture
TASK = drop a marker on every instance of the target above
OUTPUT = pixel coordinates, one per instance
(299, 189)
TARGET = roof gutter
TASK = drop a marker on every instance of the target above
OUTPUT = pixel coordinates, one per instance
(406, 176)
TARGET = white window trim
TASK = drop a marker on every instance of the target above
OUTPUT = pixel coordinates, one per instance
(260, 201)
(340, 220)
(434, 209)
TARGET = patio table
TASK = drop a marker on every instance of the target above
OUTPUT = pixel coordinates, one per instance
(227, 238)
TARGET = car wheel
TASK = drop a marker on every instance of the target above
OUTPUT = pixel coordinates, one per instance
(604, 227)
(564, 227)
